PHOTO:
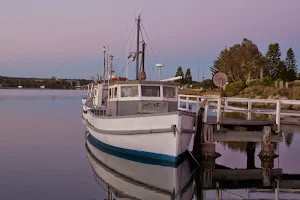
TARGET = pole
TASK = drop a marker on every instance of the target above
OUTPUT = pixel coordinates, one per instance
(198, 81)
(137, 46)
(109, 78)
(143, 74)
(219, 106)
(110, 67)
(159, 77)
(104, 64)
(126, 62)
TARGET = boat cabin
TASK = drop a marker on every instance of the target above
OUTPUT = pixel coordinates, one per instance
(141, 97)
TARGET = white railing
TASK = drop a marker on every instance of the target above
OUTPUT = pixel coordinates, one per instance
(212, 103)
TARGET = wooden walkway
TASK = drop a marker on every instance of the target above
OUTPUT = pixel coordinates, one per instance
(212, 120)
(247, 106)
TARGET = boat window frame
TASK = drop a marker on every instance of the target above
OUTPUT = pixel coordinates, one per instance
(112, 94)
(148, 85)
(130, 97)
(175, 90)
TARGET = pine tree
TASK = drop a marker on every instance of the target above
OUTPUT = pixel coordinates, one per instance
(180, 73)
(282, 72)
(188, 77)
(273, 55)
(290, 63)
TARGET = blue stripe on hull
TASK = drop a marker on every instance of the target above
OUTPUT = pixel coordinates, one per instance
(138, 156)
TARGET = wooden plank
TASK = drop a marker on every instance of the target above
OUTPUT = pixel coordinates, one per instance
(242, 174)
(212, 120)
(244, 136)
(290, 184)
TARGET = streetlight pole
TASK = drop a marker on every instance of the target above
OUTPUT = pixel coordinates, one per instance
(104, 52)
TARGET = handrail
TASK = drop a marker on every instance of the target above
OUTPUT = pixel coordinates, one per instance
(213, 100)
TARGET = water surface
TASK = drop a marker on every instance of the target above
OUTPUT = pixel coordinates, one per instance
(44, 156)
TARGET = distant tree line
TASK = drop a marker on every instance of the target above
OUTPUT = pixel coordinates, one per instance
(244, 62)
(187, 78)
(51, 83)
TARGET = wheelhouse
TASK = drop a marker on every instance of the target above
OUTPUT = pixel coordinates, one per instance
(142, 97)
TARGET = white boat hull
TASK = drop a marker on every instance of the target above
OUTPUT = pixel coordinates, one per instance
(148, 136)
(83, 101)
(139, 180)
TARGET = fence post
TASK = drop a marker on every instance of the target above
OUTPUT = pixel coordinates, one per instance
(205, 112)
(187, 103)
(278, 105)
(249, 116)
(225, 104)
(219, 114)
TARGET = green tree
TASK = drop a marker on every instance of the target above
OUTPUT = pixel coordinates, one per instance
(282, 72)
(291, 65)
(265, 67)
(179, 72)
(273, 55)
(241, 62)
(188, 77)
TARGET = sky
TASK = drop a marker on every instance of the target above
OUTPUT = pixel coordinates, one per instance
(64, 38)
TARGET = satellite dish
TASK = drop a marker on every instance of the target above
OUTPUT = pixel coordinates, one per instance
(218, 77)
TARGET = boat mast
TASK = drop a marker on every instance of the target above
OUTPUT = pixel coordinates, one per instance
(137, 46)
(143, 74)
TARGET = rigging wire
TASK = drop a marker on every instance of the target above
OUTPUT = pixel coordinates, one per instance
(149, 60)
(126, 43)
(147, 52)
(149, 42)
(123, 68)
(147, 67)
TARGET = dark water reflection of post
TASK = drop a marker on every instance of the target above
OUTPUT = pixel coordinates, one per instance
(250, 155)
(203, 178)
(288, 138)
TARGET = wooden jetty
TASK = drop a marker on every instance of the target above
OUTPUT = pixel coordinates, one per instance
(248, 106)
(213, 124)
(217, 126)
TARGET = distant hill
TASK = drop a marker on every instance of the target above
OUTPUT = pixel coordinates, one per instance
(4, 77)
(54, 83)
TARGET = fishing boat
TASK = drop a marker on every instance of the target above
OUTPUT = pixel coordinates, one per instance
(139, 117)
(128, 177)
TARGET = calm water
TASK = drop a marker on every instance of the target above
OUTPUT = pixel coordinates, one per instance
(44, 156)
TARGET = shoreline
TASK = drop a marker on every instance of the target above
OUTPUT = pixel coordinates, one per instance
(13, 88)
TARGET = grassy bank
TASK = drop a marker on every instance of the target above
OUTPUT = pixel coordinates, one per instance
(257, 92)
(266, 92)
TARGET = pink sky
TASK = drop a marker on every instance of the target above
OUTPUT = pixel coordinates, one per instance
(44, 38)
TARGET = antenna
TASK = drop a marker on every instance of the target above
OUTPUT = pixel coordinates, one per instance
(159, 70)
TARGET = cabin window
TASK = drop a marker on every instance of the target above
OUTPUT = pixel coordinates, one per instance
(116, 93)
(110, 93)
(169, 92)
(129, 91)
(151, 91)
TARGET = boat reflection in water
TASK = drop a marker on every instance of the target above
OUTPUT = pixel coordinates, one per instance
(128, 177)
